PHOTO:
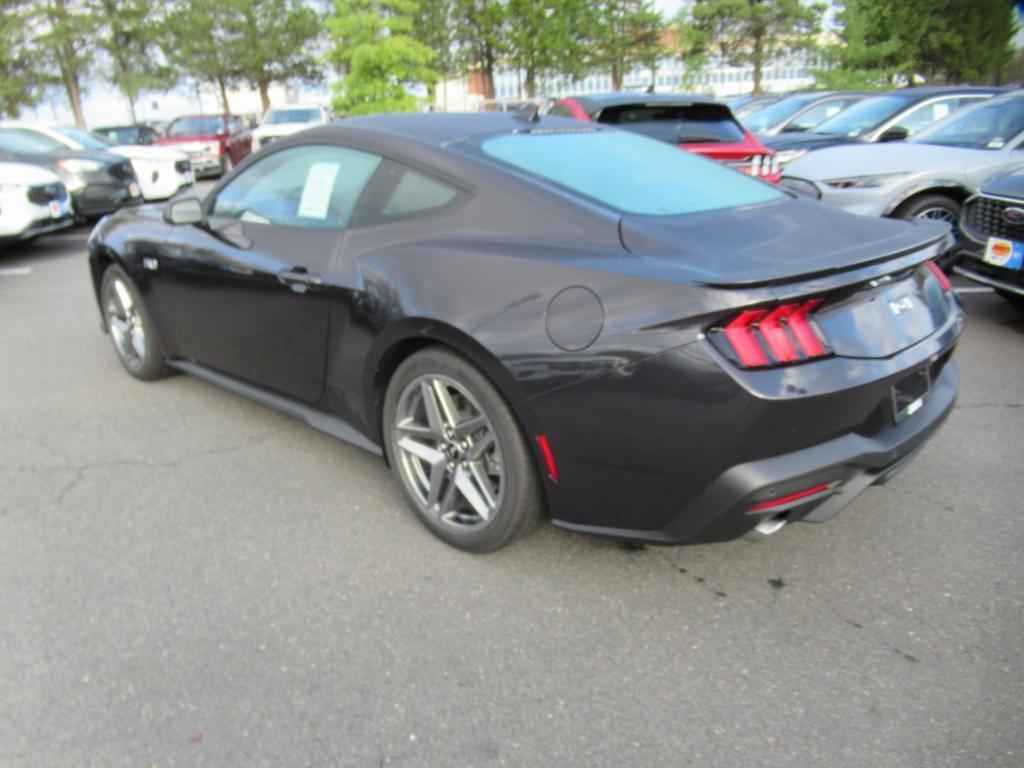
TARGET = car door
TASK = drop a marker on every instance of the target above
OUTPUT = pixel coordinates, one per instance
(246, 292)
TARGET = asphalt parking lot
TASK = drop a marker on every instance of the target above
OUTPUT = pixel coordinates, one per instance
(188, 578)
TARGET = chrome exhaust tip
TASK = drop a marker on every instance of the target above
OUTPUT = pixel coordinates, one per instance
(769, 525)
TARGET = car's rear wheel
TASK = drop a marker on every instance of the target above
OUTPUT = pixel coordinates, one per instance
(130, 326)
(935, 208)
(458, 453)
(226, 164)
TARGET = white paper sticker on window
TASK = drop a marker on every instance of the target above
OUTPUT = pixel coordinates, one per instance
(316, 193)
(939, 111)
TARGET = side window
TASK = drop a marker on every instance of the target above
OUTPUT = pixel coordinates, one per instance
(309, 186)
(560, 110)
(927, 114)
(817, 114)
(416, 193)
(235, 125)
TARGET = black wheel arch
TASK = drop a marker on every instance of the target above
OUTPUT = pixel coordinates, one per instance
(951, 189)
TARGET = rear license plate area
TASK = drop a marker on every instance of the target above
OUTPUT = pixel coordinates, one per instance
(908, 393)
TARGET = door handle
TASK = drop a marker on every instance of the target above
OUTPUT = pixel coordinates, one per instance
(299, 280)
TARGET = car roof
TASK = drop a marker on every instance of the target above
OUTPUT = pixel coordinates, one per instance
(927, 91)
(592, 101)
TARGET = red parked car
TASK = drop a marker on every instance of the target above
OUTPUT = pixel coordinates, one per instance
(696, 123)
(213, 143)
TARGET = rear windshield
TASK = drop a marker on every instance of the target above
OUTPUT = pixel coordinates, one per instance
(774, 114)
(291, 116)
(192, 126)
(676, 123)
(630, 173)
(21, 140)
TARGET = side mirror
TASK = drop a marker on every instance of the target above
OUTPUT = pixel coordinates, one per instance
(187, 210)
(896, 133)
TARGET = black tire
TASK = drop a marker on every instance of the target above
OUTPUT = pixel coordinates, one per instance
(938, 207)
(519, 504)
(226, 164)
(150, 364)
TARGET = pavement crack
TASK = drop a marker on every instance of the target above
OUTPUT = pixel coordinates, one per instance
(989, 405)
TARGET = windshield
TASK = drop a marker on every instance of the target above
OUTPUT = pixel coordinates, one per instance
(864, 115)
(630, 173)
(274, 116)
(676, 123)
(193, 126)
(84, 139)
(755, 106)
(775, 113)
(20, 140)
(987, 126)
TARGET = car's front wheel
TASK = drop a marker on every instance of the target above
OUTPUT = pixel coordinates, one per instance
(458, 453)
(130, 326)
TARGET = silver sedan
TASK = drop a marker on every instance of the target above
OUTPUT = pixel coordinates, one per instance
(927, 177)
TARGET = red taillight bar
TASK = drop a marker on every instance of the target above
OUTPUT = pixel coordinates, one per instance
(788, 500)
(784, 332)
(549, 456)
(742, 338)
(939, 275)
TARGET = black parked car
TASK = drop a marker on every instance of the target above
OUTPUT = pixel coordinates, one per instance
(892, 116)
(527, 314)
(993, 243)
(99, 182)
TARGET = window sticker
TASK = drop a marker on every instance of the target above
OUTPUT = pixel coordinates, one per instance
(316, 193)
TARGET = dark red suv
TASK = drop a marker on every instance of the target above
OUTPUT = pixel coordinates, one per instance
(696, 123)
(213, 143)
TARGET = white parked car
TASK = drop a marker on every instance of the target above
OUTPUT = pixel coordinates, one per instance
(160, 171)
(33, 201)
(286, 120)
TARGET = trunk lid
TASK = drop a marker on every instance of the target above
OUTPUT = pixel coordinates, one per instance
(787, 241)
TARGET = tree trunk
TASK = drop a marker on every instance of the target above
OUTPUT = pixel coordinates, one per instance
(616, 76)
(758, 62)
(223, 96)
(264, 94)
(131, 108)
(444, 94)
(487, 74)
(531, 83)
(69, 74)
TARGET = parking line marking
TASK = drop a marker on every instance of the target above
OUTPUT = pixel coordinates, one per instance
(973, 290)
(12, 271)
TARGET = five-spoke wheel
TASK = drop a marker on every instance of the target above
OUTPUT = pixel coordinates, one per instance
(129, 326)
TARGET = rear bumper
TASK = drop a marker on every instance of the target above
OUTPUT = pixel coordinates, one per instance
(846, 465)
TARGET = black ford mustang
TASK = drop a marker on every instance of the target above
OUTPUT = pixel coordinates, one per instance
(524, 315)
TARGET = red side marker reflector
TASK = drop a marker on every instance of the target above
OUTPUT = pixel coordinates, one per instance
(790, 498)
(939, 275)
(549, 457)
(744, 342)
(801, 328)
(775, 335)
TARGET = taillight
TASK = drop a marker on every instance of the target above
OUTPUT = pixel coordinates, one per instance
(768, 337)
(939, 275)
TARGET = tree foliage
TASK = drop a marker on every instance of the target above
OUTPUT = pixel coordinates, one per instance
(199, 40)
(627, 34)
(755, 32)
(433, 26)
(480, 33)
(65, 33)
(21, 76)
(936, 39)
(129, 35)
(374, 46)
(545, 37)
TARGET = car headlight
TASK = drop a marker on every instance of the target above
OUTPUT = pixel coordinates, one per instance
(213, 147)
(801, 187)
(789, 155)
(73, 165)
(864, 182)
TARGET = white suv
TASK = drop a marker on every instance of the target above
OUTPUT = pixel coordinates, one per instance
(286, 120)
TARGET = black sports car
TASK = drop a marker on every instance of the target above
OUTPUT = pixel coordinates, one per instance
(993, 244)
(525, 315)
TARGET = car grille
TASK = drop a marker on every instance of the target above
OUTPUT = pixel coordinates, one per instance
(122, 171)
(983, 218)
(44, 193)
(182, 166)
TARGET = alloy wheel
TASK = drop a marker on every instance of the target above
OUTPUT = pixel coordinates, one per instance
(448, 452)
(125, 323)
(937, 214)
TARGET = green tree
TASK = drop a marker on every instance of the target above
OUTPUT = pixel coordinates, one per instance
(628, 34)
(21, 76)
(757, 31)
(66, 35)
(130, 35)
(200, 39)
(481, 35)
(936, 39)
(373, 45)
(275, 42)
(433, 26)
(542, 37)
